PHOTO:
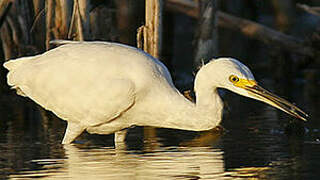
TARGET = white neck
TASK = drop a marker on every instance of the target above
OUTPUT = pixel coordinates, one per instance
(180, 113)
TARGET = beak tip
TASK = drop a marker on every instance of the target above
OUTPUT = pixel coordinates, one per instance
(304, 118)
(263, 95)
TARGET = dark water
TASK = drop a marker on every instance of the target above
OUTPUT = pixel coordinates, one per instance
(258, 142)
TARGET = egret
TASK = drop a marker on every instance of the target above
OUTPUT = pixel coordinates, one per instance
(104, 88)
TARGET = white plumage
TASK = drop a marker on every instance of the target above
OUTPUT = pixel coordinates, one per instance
(104, 87)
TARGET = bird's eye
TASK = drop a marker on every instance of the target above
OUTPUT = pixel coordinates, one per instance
(233, 79)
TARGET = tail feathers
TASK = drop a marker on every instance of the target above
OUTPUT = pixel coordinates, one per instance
(15, 63)
(14, 76)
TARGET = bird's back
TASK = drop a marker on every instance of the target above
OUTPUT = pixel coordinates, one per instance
(80, 77)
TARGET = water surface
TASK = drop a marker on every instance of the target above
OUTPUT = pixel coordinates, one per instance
(257, 142)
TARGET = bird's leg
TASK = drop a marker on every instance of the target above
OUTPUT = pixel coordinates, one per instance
(119, 138)
(72, 132)
(117, 127)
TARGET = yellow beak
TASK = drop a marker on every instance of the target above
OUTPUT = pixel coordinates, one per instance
(257, 92)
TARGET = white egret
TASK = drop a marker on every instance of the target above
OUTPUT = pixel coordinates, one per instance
(104, 87)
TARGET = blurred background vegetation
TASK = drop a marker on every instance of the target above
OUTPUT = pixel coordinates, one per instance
(277, 40)
(269, 36)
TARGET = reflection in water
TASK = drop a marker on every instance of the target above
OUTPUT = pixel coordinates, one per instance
(164, 163)
(258, 143)
(102, 163)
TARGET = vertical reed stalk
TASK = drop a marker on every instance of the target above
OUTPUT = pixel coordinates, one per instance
(152, 30)
(152, 36)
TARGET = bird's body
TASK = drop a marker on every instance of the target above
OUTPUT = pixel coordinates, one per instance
(105, 87)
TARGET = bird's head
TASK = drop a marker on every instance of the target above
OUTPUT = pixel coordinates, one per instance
(231, 74)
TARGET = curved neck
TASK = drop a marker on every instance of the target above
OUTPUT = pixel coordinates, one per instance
(180, 113)
(207, 98)
(208, 101)
(175, 111)
(209, 104)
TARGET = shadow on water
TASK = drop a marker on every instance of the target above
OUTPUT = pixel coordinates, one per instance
(257, 142)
